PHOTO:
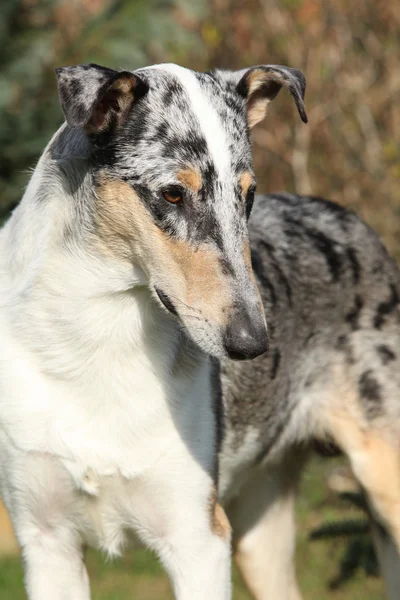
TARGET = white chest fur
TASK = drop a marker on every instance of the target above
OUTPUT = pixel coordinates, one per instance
(98, 428)
(101, 402)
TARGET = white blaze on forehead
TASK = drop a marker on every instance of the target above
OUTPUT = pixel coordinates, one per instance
(210, 122)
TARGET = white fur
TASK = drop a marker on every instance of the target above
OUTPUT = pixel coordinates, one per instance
(97, 439)
(209, 121)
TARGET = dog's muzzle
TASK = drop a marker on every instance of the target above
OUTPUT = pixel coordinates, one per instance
(246, 336)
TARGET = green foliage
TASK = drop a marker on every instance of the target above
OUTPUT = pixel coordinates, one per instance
(359, 552)
(36, 37)
(349, 527)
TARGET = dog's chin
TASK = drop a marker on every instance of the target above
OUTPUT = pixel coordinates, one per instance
(205, 341)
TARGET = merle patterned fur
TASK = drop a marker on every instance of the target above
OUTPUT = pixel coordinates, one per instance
(331, 295)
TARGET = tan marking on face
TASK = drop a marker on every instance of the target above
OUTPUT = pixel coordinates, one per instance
(121, 219)
(200, 279)
(246, 180)
(191, 178)
(220, 525)
(189, 275)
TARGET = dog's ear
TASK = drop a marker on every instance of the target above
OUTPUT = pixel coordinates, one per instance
(94, 97)
(261, 84)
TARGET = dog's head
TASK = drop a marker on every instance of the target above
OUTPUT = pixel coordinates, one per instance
(174, 182)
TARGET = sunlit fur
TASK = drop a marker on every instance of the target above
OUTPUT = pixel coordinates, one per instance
(107, 408)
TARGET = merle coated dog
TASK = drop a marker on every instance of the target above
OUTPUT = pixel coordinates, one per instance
(331, 295)
(127, 289)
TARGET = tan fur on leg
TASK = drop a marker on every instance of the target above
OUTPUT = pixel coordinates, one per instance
(264, 534)
(374, 455)
(375, 460)
(220, 525)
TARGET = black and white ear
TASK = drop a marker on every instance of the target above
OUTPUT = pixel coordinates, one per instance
(261, 84)
(95, 97)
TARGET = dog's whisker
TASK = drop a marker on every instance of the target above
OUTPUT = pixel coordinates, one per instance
(188, 316)
(184, 304)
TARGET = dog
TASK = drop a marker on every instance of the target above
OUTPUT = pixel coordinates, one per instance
(331, 295)
(125, 276)
(127, 288)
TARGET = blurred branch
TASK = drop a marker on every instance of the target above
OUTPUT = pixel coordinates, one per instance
(371, 137)
(300, 156)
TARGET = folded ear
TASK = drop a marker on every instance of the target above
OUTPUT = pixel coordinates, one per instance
(259, 85)
(94, 97)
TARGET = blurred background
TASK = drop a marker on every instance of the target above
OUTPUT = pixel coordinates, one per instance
(349, 152)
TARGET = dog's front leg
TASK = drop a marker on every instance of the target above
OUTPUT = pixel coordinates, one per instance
(197, 559)
(46, 513)
(55, 572)
(178, 517)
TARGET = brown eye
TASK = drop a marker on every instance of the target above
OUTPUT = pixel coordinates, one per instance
(172, 195)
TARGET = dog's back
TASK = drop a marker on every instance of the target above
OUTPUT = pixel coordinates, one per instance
(331, 294)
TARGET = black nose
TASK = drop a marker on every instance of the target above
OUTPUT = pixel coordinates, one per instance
(246, 336)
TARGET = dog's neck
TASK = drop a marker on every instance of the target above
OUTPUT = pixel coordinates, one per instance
(76, 302)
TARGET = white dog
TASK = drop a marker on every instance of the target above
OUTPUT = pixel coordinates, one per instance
(124, 268)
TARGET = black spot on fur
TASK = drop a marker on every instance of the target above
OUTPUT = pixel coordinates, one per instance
(327, 247)
(171, 147)
(320, 241)
(370, 392)
(280, 275)
(208, 178)
(384, 309)
(354, 264)
(206, 228)
(353, 316)
(258, 268)
(80, 111)
(194, 146)
(75, 87)
(226, 267)
(276, 359)
(173, 89)
(386, 354)
(161, 132)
